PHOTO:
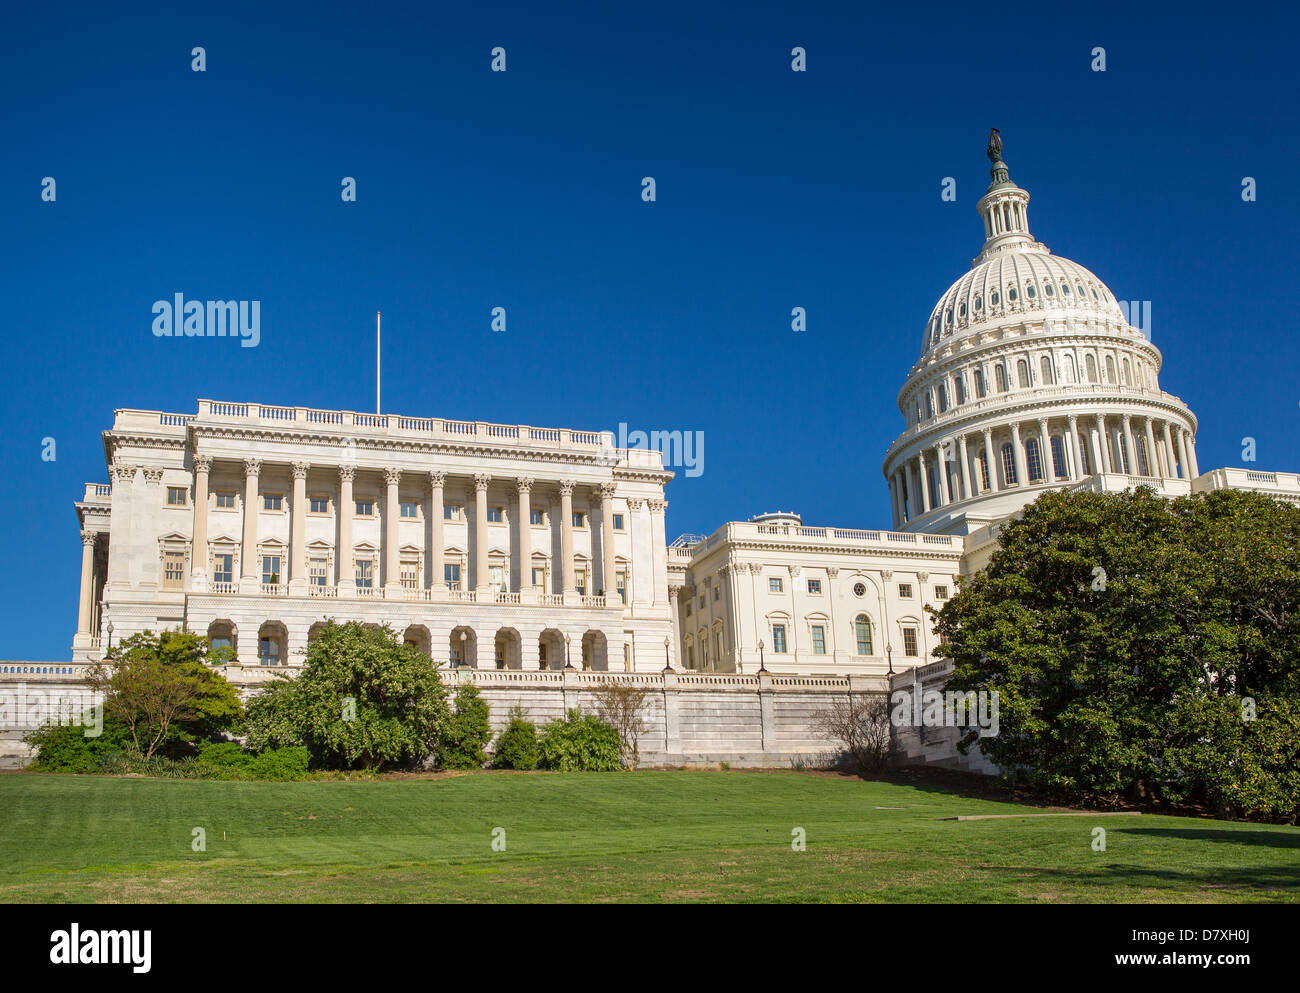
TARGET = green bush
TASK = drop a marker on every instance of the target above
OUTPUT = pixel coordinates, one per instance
(280, 764)
(579, 743)
(462, 743)
(65, 747)
(517, 743)
(223, 755)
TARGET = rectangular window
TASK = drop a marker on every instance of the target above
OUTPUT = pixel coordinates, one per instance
(365, 508)
(272, 501)
(319, 505)
(717, 593)
(688, 608)
(497, 578)
(535, 517)
(778, 639)
(173, 570)
(620, 581)
(407, 511)
(618, 522)
(451, 575)
(775, 585)
(909, 642)
(941, 593)
(815, 587)
(539, 578)
(580, 581)
(177, 496)
(495, 515)
(819, 639)
(905, 591)
(450, 512)
(365, 573)
(317, 570)
(579, 519)
(225, 501)
(271, 572)
(268, 651)
(717, 645)
(223, 568)
(410, 574)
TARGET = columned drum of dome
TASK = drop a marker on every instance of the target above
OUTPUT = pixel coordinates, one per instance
(1030, 378)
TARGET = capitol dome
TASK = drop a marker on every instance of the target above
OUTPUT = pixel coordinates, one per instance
(1030, 376)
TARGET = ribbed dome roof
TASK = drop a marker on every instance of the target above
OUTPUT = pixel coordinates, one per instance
(1021, 281)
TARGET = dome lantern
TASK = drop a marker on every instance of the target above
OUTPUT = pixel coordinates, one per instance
(1003, 207)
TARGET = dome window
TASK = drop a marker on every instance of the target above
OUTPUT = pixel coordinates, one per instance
(993, 298)
(1012, 296)
(1047, 288)
(961, 310)
(979, 303)
(1065, 289)
(1094, 294)
(1082, 292)
(1030, 291)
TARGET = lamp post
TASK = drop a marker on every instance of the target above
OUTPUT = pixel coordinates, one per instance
(567, 664)
(110, 636)
(889, 650)
(668, 666)
(464, 635)
(762, 666)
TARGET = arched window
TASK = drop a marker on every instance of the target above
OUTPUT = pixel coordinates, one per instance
(1069, 368)
(1058, 457)
(979, 384)
(862, 628)
(929, 405)
(1140, 444)
(1022, 373)
(1091, 365)
(984, 471)
(959, 389)
(1012, 294)
(993, 298)
(1000, 375)
(1127, 374)
(1030, 292)
(1009, 464)
(1110, 369)
(1046, 365)
(943, 398)
(1083, 454)
(1049, 289)
(1033, 460)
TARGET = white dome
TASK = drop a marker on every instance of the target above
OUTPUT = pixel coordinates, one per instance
(1024, 280)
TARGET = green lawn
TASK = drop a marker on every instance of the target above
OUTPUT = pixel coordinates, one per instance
(644, 836)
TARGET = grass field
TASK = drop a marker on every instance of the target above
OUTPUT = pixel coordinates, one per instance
(645, 836)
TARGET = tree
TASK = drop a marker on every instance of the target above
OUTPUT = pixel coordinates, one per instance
(861, 722)
(161, 689)
(1131, 639)
(461, 745)
(516, 746)
(622, 706)
(363, 700)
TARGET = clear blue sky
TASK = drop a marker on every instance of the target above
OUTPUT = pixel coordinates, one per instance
(522, 190)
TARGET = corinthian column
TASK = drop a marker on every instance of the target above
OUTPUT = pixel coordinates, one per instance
(1132, 466)
(965, 467)
(1182, 454)
(1045, 448)
(1018, 456)
(347, 586)
(1153, 462)
(608, 578)
(922, 472)
(566, 536)
(990, 461)
(85, 603)
(481, 533)
(249, 581)
(298, 532)
(199, 541)
(1103, 463)
(526, 592)
(941, 470)
(1076, 457)
(1191, 454)
(392, 514)
(436, 546)
(1171, 465)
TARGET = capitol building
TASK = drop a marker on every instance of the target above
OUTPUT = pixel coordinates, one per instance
(515, 547)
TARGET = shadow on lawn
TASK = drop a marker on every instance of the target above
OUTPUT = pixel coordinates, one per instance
(1271, 877)
(1280, 838)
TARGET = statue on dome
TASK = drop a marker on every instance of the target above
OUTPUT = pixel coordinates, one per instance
(995, 146)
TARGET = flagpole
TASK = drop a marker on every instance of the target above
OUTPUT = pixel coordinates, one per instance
(376, 362)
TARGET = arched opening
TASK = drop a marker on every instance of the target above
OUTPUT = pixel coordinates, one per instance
(862, 634)
(1033, 460)
(979, 384)
(1048, 378)
(1009, 464)
(463, 647)
(1000, 378)
(272, 644)
(1022, 374)
(550, 650)
(1110, 369)
(508, 649)
(1090, 363)
(315, 631)
(418, 637)
(1069, 368)
(1058, 457)
(223, 642)
(595, 652)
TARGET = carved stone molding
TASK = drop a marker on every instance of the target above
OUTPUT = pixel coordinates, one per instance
(886, 574)
(634, 504)
(832, 571)
(124, 471)
(795, 570)
(673, 591)
(300, 469)
(922, 576)
(153, 474)
(657, 506)
(203, 463)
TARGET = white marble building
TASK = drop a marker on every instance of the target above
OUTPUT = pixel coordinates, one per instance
(488, 545)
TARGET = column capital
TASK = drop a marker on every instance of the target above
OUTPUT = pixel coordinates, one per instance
(300, 469)
(634, 503)
(1073, 419)
(125, 472)
(481, 481)
(347, 473)
(202, 463)
(607, 491)
(88, 538)
(657, 506)
(392, 475)
(153, 474)
(673, 591)
(524, 484)
(437, 478)
(252, 467)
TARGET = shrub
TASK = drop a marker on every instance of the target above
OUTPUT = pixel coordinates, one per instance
(466, 732)
(223, 755)
(517, 744)
(579, 743)
(65, 747)
(280, 764)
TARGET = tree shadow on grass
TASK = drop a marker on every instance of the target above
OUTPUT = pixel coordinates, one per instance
(1281, 838)
(1283, 878)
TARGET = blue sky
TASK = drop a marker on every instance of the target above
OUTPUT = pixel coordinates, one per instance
(521, 190)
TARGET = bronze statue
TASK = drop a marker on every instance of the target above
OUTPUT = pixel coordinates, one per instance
(995, 146)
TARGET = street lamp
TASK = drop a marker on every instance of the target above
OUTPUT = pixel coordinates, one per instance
(567, 664)
(889, 650)
(110, 636)
(762, 666)
(464, 635)
(668, 666)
